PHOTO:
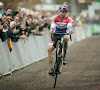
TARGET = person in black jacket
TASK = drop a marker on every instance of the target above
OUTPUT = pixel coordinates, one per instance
(3, 30)
(23, 29)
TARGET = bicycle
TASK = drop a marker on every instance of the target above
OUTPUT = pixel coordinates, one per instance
(59, 56)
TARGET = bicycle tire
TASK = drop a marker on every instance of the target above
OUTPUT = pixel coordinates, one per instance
(55, 81)
(58, 53)
(58, 61)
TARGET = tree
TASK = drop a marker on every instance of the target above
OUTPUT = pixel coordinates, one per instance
(32, 3)
(10, 4)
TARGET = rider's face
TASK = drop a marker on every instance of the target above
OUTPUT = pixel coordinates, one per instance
(62, 13)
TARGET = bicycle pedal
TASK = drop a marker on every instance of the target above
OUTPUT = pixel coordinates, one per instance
(57, 72)
(53, 75)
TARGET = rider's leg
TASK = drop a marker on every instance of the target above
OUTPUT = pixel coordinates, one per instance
(66, 38)
(50, 56)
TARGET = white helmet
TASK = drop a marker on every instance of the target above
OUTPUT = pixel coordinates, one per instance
(63, 7)
(1, 4)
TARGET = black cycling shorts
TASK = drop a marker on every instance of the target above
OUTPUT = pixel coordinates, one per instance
(55, 38)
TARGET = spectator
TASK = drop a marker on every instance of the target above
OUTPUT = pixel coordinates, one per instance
(6, 24)
(17, 20)
(25, 18)
(14, 31)
(29, 23)
(3, 31)
(3, 19)
(8, 10)
(23, 29)
(4, 27)
(9, 16)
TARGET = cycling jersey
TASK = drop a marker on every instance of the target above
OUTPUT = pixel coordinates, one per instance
(60, 25)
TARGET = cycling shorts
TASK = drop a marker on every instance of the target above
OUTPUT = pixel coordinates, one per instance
(55, 38)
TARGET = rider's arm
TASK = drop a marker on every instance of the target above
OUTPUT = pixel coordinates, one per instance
(69, 25)
(53, 25)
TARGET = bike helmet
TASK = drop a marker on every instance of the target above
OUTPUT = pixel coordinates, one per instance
(63, 7)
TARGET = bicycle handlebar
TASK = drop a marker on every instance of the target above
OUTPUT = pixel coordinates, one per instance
(70, 36)
(62, 35)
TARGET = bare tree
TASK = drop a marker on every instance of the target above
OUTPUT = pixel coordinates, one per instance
(10, 4)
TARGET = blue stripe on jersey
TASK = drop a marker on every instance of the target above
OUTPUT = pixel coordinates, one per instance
(60, 30)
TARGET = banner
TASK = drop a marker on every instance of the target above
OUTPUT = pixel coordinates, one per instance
(95, 28)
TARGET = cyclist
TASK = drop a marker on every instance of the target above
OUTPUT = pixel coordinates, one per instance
(60, 24)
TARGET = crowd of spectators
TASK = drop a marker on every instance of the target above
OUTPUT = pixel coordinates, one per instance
(86, 20)
(19, 25)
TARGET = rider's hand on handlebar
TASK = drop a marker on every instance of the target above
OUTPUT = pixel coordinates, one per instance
(51, 31)
(70, 31)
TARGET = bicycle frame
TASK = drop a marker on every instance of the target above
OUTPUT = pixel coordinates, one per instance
(60, 52)
(62, 44)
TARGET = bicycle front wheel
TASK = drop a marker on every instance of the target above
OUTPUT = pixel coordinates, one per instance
(58, 56)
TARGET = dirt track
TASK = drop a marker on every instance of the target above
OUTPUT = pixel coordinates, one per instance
(81, 73)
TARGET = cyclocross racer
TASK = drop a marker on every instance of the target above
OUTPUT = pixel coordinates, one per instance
(60, 24)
